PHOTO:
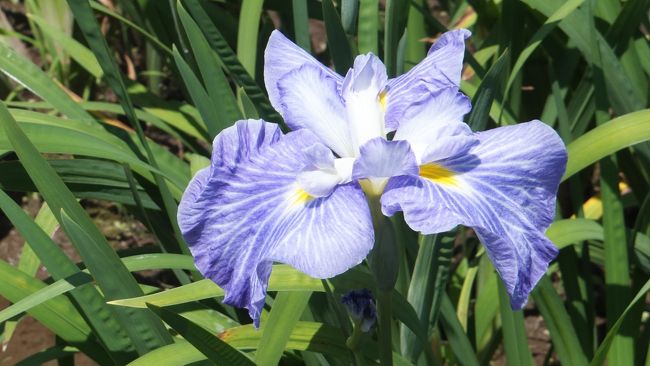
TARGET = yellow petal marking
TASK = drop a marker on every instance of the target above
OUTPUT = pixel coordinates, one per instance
(299, 197)
(439, 174)
(383, 99)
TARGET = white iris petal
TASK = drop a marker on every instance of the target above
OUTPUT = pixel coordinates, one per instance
(361, 89)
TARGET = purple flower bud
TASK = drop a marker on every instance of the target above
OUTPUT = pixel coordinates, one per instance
(361, 306)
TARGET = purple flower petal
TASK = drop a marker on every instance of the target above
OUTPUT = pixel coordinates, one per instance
(384, 159)
(282, 56)
(246, 211)
(440, 69)
(308, 98)
(504, 188)
(435, 129)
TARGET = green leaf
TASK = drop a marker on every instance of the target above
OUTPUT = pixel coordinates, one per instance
(427, 284)
(285, 313)
(90, 28)
(311, 336)
(337, 42)
(29, 261)
(577, 25)
(151, 37)
(75, 49)
(570, 231)
(50, 354)
(549, 25)
(283, 278)
(230, 61)
(368, 26)
(306, 336)
(99, 315)
(515, 339)
(29, 75)
(487, 92)
(301, 24)
(112, 277)
(96, 253)
(47, 293)
(215, 82)
(67, 136)
(179, 353)
(458, 340)
(249, 19)
(564, 338)
(59, 314)
(619, 133)
(395, 19)
(603, 349)
(617, 270)
(212, 347)
(202, 101)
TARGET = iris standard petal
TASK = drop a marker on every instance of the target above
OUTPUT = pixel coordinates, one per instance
(435, 129)
(504, 188)
(440, 69)
(307, 98)
(280, 57)
(246, 211)
(361, 93)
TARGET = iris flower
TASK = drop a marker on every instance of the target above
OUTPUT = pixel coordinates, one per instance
(302, 198)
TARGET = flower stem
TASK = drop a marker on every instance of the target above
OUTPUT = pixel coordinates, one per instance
(353, 340)
(384, 309)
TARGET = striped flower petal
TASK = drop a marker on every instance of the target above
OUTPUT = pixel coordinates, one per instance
(440, 69)
(504, 187)
(247, 211)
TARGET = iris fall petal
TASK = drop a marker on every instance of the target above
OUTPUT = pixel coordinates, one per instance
(246, 211)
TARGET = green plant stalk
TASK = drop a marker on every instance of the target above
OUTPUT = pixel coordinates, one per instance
(383, 260)
(354, 339)
(384, 317)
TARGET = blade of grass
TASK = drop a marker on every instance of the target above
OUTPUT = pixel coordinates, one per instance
(515, 339)
(59, 314)
(367, 37)
(90, 28)
(285, 313)
(415, 32)
(603, 349)
(29, 261)
(337, 42)
(30, 76)
(120, 283)
(621, 132)
(549, 25)
(249, 19)
(301, 24)
(230, 61)
(214, 80)
(212, 347)
(487, 92)
(563, 336)
(60, 266)
(210, 116)
(458, 340)
(396, 16)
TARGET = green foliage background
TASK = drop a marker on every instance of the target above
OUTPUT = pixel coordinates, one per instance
(111, 80)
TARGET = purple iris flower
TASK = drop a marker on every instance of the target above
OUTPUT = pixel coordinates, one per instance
(301, 198)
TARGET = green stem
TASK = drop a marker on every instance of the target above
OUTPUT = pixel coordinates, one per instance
(353, 340)
(384, 316)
